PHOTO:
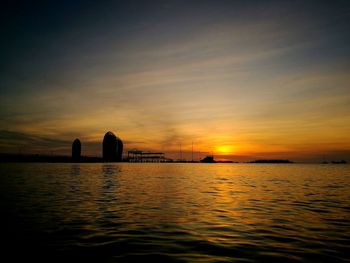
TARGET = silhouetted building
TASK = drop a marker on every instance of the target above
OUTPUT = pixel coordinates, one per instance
(208, 159)
(76, 150)
(136, 156)
(119, 149)
(112, 148)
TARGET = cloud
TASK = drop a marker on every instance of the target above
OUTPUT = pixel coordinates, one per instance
(269, 75)
(17, 141)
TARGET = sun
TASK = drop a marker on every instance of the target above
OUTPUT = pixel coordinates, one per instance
(224, 149)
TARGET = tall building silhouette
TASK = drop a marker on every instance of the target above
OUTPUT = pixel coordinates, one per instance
(112, 148)
(119, 149)
(76, 150)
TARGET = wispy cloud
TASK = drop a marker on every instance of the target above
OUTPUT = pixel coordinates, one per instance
(270, 76)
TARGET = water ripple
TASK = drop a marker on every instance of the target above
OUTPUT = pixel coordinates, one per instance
(176, 212)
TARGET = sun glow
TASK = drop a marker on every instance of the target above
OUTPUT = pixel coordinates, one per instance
(225, 149)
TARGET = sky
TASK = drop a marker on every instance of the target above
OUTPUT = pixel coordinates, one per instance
(241, 80)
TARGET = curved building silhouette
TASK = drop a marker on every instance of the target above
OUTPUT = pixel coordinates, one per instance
(112, 148)
(76, 150)
(119, 149)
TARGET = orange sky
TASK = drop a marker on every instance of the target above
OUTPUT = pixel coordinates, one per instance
(265, 80)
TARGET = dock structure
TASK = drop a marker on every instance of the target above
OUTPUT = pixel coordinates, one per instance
(137, 156)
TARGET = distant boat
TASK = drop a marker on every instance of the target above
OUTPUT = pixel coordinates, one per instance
(339, 162)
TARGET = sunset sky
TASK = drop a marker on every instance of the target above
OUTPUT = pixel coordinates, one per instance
(239, 79)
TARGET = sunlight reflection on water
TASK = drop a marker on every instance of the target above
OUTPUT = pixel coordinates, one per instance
(177, 212)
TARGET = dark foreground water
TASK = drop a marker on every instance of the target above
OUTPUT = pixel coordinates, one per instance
(175, 212)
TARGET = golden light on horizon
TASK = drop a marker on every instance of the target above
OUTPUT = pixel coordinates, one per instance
(269, 93)
(225, 149)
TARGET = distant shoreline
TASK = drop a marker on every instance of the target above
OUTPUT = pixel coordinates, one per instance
(35, 158)
(272, 161)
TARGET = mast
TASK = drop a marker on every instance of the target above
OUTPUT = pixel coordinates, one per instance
(192, 151)
(180, 153)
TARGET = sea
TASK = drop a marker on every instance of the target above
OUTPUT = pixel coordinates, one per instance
(174, 212)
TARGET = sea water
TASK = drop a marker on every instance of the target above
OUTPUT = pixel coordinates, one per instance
(188, 212)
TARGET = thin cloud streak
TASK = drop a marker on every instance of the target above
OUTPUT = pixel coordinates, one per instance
(271, 75)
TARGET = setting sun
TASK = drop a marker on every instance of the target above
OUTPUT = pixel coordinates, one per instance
(231, 79)
(225, 149)
(175, 130)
